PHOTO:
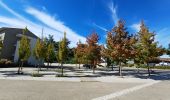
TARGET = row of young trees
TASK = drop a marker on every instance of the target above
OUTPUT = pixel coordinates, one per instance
(121, 46)
(45, 50)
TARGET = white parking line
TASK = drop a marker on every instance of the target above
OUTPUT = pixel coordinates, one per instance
(125, 91)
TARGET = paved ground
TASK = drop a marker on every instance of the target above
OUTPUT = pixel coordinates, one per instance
(43, 90)
(160, 91)
(83, 85)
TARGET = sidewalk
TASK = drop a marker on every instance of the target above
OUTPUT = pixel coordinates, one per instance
(78, 75)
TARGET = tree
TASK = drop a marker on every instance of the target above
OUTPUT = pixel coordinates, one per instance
(148, 47)
(80, 52)
(1, 45)
(120, 45)
(24, 50)
(93, 50)
(40, 52)
(63, 51)
(50, 54)
(105, 53)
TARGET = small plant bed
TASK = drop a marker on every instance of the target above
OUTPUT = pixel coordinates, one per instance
(59, 75)
(36, 74)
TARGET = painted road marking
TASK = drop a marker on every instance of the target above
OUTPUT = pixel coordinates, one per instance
(125, 91)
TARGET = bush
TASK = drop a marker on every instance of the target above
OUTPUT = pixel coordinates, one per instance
(59, 75)
(7, 63)
(130, 65)
(3, 61)
(36, 74)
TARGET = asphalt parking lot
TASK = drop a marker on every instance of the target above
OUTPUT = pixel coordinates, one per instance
(44, 90)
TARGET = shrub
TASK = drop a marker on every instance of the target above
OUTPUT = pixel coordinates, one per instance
(36, 74)
(8, 62)
(3, 61)
(130, 65)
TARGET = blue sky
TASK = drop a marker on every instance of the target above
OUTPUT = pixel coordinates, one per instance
(80, 17)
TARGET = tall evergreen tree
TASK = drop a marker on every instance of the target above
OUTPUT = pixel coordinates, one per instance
(24, 50)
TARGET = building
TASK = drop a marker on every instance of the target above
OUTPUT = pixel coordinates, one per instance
(164, 60)
(10, 38)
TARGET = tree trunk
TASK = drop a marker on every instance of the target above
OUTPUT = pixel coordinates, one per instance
(120, 69)
(62, 70)
(79, 65)
(22, 63)
(93, 69)
(47, 65)
(112, 67)
(138, 69)
(19, 67)
(148, 69)
(38, 68)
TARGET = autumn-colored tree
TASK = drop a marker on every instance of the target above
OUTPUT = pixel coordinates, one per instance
(148, 47)
(93, 50)
(105, 53)
(24, 50)
(63, 51)
(40, 52)
(120, 45)
(80, 53)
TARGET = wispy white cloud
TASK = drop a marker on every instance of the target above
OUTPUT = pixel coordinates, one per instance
(54, 24)
(100, 27)
(57, 30)
(163, 37)
(135, 27)
(113, 9)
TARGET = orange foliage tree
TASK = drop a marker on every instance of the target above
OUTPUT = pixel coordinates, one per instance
(93, 50)
(120, 45)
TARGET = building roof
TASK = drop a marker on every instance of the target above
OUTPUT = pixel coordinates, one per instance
(29, 33)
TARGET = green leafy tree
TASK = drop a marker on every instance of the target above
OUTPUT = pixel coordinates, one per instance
(50, 54)
(148, 48)
(40, 52)
(62, 52)
(24, 50)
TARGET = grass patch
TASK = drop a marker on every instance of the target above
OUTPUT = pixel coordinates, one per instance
(36, 74)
